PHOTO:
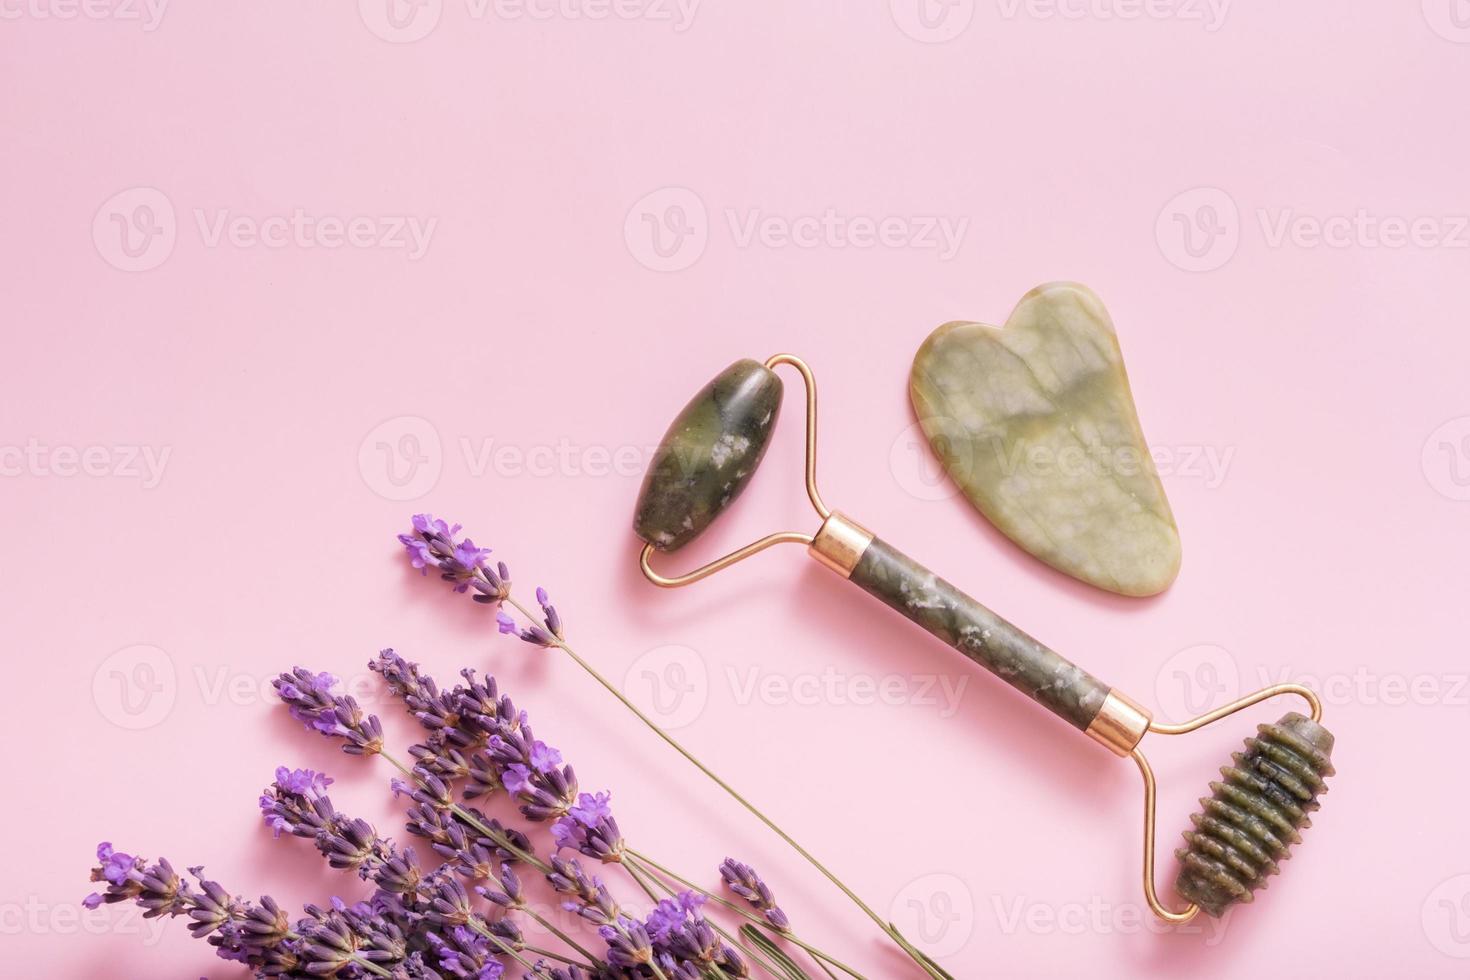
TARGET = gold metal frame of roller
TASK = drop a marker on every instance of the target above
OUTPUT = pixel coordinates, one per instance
(1120, 724)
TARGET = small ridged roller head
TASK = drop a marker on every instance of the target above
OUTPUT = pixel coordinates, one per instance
(1255, 814)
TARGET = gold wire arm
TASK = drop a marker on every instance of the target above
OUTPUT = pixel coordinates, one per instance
(781, 537)
(705, 571)
(1276, 690)
(1150, 794)
(1150, 787)
(811, 426)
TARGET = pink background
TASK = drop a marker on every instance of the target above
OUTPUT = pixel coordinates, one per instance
(1326, 381)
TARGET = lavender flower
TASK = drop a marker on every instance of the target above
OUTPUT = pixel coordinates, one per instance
(257, 935)
(310, 698)
(589, 896)
(510, 895)
(590, 828)
(432, 544)
(628, 944)
(671, 914)
(465, 953)
(743, 881)
(297, 804)
(552, 634)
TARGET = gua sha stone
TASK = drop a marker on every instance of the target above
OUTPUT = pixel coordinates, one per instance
(1035, 422)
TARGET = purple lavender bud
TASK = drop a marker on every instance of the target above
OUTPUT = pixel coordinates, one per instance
(589, 898)
(213, 906)
(628, 944)
(695, 941)
(427, 822)
(553, 620)
(444, 761)
(449, 903)
(743, 881)
(504, 622)
(400, 873)
(352, 845)
(462, 952)
(590, 828)
(482, 779)
(263, 926)
(730, 963)
(509, 895)
(671, 914)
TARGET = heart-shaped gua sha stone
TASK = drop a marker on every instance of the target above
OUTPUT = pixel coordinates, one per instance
(1035, 423)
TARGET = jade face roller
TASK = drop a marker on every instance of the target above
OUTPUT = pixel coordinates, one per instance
(1256, 810)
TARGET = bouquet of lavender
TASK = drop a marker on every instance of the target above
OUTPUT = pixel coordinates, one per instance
(457, 908)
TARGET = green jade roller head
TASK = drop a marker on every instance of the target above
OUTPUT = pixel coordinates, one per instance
(1256, 810)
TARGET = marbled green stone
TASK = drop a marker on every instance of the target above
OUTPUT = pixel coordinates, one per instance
(1255, 814)
(1022, 662)
(1035, 422)
(708, 455)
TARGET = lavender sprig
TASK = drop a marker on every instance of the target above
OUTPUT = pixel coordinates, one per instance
(743, 881)
(324, 943)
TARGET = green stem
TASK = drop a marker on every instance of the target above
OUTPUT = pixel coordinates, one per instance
(632, 870)
(644, 859)
(550, 955)
(887, 928)
(594, 961)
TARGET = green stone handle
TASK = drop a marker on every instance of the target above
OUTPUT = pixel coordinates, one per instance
(1027, 665)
